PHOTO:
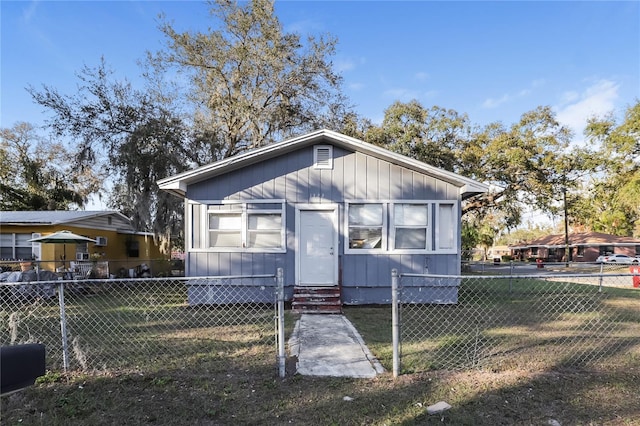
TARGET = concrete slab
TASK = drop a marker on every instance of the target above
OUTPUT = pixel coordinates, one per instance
(329, 345)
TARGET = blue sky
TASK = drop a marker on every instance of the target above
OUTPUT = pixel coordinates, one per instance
(490, 60)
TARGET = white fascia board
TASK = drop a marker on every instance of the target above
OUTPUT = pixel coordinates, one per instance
(177, 184)
(173, 185)
(465, 184)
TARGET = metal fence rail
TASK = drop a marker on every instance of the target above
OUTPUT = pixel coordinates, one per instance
(542, 266)
(514, 321)
(143, 324)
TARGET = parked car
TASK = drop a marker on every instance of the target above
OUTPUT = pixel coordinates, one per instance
(618, 258)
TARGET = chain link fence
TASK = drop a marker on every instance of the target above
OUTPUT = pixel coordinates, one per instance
(145, 324)
(515, 321)
(439, 322)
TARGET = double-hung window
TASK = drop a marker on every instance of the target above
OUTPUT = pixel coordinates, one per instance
(225, 226)
(410, 226)
(257, 226)
(366, 225)
(401, 226)
(17, 246)
(264, 229)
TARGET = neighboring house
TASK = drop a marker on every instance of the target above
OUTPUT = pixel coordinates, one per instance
(496, 252)
(116, 240)
(333, 211)
(584, 247)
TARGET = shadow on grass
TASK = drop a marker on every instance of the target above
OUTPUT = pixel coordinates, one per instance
(245, 390)
(203, 385)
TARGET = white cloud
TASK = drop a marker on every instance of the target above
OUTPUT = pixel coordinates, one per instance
(30, 11)
(421, 76)
(342, 65)
(494, 103)
(402, 95)
(568, 97)
(356, 86)
(538, 82)
(430, 94)
(304, 26)
(490, 103)
(576, 108)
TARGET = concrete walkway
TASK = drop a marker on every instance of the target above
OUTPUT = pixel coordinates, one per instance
(329, 345)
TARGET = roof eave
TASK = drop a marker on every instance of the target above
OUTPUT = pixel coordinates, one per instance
(174, 186)
(177, 184)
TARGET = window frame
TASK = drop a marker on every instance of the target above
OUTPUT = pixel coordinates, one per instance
(347, 227)
(603, 250)
(433, 237)
(428, 227)
(16, 244)
(245, 213)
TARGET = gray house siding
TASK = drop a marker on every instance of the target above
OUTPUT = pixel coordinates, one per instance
(365, 278)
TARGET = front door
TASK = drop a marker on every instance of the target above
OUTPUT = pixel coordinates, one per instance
(317, 247)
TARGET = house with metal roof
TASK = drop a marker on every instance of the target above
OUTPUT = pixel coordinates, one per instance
(336, 213)
(116, 240)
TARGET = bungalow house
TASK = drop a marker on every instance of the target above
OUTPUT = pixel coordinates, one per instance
(116, 240)
(337, 214)
(584, 247)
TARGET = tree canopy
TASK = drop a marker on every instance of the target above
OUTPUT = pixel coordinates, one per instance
(249, 83)
(252, 83)
(527, 164)
(246, 82)
(612, 204)
(36, 174)
(128, 137)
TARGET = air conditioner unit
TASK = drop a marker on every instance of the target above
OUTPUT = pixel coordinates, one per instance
(101, 241)
(82, 256)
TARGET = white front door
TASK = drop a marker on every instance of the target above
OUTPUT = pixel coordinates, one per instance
(317, 247)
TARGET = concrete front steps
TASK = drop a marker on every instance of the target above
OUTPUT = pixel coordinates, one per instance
(316, 300)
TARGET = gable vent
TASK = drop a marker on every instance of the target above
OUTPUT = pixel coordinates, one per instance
(323, 157)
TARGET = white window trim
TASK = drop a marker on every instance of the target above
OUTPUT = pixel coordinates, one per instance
(36, 248)
(14, 246)
(204, 226)
(388, 231)
(392, 227)
(455, 223)
(383, 248)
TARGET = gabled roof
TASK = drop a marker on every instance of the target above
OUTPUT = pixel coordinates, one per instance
(177, 184)
(578, 239)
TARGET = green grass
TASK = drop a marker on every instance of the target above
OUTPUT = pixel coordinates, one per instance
(154, 360)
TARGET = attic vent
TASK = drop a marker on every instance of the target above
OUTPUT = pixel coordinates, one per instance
(323, 157)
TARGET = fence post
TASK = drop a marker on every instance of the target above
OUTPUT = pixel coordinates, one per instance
(395, 327)
(601, 276)
(281, 352)
(63, 327)
(511, 276)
